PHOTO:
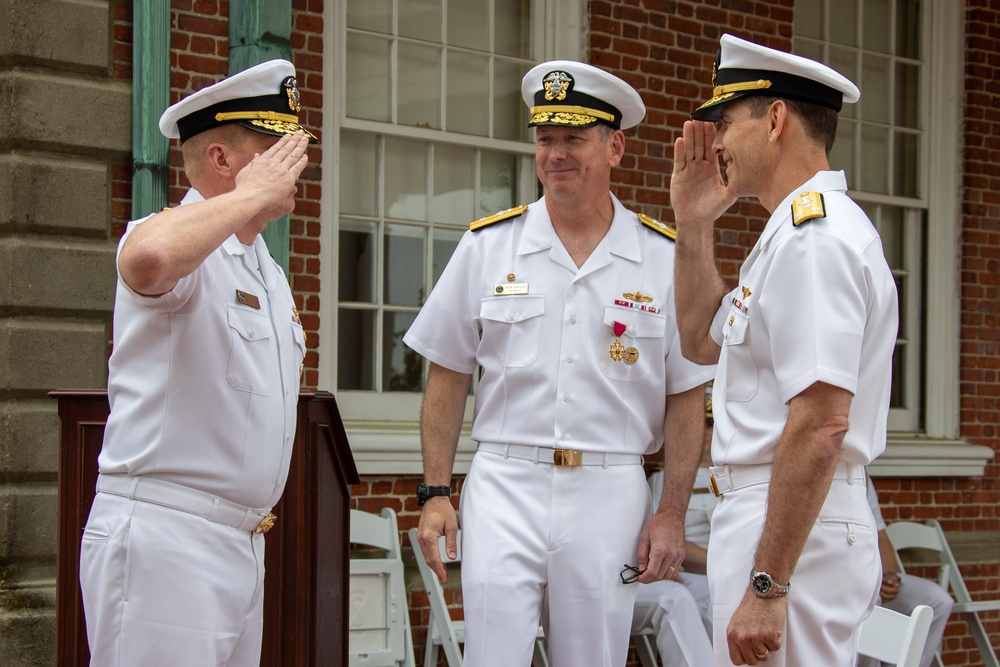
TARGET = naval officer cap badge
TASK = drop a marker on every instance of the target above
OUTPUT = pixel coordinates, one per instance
(574, 94)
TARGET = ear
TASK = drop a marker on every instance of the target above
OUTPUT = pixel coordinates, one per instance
(616, 147)
(777, 118)
(218, 160)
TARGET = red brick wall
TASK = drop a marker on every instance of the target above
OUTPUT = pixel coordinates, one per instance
(665, 48)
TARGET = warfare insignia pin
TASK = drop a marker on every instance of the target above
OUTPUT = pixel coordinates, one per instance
(557, 85)
(291, 86)
(746, 292)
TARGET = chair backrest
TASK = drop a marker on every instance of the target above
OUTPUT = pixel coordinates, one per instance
(379, 625)
(895, 638)
(911, 535)
(440, 616)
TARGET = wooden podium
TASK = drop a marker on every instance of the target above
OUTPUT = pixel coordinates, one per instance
(306, 586)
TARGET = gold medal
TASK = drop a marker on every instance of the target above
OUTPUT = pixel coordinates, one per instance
(617, 350)
(631, 356)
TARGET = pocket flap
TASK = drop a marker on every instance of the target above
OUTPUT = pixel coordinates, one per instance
(512, 309)
(638, 323)
(250, 324)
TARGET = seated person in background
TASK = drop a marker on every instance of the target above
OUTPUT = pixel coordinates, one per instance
(902, 592)
(673, 606)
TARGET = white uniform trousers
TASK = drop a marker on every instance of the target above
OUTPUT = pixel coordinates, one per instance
(671, 611)
(163, 587)
(535, 535)
(834, 584)
(915, 590)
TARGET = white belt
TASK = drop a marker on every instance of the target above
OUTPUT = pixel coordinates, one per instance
(560, 457)
(192, 501)
(728, 478)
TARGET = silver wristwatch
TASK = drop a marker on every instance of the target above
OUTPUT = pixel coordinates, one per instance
(764, 585)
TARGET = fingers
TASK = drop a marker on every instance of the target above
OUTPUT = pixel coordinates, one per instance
(428, 540)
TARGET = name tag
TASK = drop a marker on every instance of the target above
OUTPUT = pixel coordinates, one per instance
(510, 288)
(247, 299)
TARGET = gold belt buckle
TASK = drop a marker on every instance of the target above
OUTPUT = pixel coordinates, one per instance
(266, 524)
(714, 487)
(567, 457)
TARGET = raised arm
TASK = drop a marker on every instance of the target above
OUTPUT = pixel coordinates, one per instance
(698, 197)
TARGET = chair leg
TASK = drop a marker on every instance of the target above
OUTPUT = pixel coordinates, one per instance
(430, 653)
(540, 656)
(647, 654)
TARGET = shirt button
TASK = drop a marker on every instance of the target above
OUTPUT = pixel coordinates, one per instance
(569, 358)
(252, 332)
(564, 437)
(510, 317)
(572, 320)
(566, 398)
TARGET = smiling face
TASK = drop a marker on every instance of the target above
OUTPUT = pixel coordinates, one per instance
(576, 161)
(742, 141)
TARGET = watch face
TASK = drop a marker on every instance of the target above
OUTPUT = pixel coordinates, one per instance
(761, 584)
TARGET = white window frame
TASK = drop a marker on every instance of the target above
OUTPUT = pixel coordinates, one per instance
(937, 450)
(383, 428)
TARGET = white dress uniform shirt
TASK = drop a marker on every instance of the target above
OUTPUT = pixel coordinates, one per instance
(815, 303)
(548, 377)
(204, 387)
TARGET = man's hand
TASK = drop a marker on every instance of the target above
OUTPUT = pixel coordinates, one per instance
(438, 518)
(890, 587)
(661, 548)
(697, 191)
(271, 178)
(755, 630)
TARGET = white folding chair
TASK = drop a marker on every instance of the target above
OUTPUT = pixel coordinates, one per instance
(379, 622)
(910, 535)
(644, 642)
(442, 630)
(895, 638)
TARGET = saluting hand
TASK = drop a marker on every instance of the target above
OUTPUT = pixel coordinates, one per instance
(698, 193)
(271, 178)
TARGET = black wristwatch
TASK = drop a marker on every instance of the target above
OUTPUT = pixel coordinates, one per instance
(424, 492)
(764, 586)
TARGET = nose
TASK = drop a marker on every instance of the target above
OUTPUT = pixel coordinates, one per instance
(717, 143)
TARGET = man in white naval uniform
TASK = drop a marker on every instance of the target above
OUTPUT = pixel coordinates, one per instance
(203, 384)
(804, 346)
(567, 306)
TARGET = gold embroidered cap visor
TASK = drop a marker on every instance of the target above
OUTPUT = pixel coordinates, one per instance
(573, 94)
(743, 68)
(263, 98)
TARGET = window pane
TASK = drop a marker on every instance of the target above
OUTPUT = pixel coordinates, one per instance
(844, 23)
(907, 100)
(419, 86)
(359, 184)
(454, 184)
(355, 349)
(368, 80)
(908, 29)
(843, 153)
(468, 24)
(445, 242)
(403, 265)
(372, 15)
(468, 94)
(907, 165)
(509, 114)
(809, 19)
(890, 226)
(403, 367)
(897, 394)
(845, 61)
(811, 50)
(499, 174)
(421, 19)
(512, 28)
(874, 156)
(358, 256)
(405, 179)
(875, 88)
(877, 26)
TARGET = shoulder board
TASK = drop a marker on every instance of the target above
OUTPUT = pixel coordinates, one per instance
(509, 214)
(807, 206)
(658, 226)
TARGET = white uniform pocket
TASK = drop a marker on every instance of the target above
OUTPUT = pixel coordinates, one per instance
(741, 371)
(512, 326)
(643, 337)
(251, 338)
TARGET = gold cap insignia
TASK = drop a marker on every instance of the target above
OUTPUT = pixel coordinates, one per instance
(557, 84)
(291, 86)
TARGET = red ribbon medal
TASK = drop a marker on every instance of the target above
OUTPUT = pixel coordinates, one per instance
(619, 329)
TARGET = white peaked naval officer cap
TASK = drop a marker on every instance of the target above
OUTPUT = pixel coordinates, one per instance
(743, 68)
(572, 94)
(264, 98)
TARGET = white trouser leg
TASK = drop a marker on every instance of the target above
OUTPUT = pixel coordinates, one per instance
(669, 609)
